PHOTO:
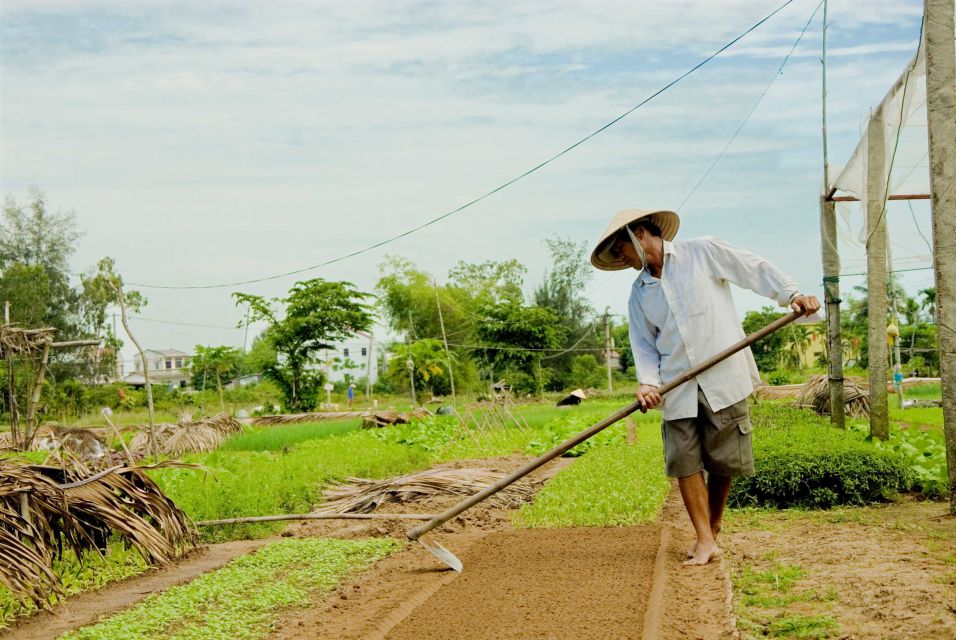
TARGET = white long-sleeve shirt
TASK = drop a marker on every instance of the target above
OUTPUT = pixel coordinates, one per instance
(687, 315)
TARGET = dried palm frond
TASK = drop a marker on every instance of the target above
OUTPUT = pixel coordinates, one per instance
(378, 419)
(46, 509)
(778, 391)
(816, 395)
(364, 496)
(295, 418)
(13, 339)
(223, 423)
(199, 438)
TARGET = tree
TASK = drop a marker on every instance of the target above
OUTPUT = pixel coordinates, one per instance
(586, 372)
(622, 344)
(313, 317)
(928, 302)
(512, 336)
(768, 352)
(488, 283)
(32, 236)
(430, 366)
(407, 300)
(214, 363)
(97, 296)
(27, 289)
(563, 292)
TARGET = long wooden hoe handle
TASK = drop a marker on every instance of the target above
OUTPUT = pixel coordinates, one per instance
(467, 503)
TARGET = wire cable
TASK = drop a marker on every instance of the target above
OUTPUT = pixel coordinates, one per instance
(493, 191)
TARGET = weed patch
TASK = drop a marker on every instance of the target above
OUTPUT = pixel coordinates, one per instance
(277, 438)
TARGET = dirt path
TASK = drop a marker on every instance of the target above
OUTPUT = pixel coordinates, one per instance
(85, 609)
(546, 583)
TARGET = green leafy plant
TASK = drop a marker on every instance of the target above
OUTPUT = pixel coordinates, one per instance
(610, 486)
(802, 461)
(243, 598)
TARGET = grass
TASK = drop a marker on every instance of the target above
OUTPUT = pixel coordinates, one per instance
(242, 600)
(290, 480)
(277, 438)
(764, 600)
(610, 486)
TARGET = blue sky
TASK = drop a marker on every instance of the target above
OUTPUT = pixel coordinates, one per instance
(210, 142)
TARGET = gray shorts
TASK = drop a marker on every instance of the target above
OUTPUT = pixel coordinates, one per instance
(718, 441)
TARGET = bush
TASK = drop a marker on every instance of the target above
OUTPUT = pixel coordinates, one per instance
(801, 461)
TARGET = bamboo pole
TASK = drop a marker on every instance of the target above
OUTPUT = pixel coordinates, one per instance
(831, 298)
(318, 516)
(941, 122)
(451, 374)
(34, 403)
(11, 385)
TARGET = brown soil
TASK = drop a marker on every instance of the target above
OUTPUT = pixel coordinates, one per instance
(87, 608)
(546, 583)
(886, 572)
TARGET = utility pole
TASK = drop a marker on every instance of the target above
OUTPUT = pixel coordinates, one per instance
(368, 373)
(941, 122)
(441, 321)
(118, 373)
(607, 347)
(245, 334)
(410, 364)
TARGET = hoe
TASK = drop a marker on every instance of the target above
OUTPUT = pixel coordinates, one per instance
(447, 557)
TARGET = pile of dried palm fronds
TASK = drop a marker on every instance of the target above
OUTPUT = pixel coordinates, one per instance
(364, 496)
(45, 510)
(778, 391)
(16, 340)
(378, 419)
(175, 439)
(816, 395)
(295, 418)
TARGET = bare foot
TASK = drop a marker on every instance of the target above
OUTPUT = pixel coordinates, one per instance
(703, 554)
(692, 551)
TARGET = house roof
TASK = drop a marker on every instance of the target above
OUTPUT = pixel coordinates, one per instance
(168, 352)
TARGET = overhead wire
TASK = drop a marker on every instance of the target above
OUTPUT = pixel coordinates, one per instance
(493, 191)
(736, 133)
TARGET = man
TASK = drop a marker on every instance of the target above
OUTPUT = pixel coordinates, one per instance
(681, 313)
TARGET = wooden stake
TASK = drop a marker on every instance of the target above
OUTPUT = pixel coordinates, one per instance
(876, 275)
(941, 121)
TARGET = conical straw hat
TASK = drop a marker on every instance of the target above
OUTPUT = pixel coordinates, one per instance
(601, 257)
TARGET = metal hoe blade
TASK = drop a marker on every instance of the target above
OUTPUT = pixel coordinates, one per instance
(441, 553)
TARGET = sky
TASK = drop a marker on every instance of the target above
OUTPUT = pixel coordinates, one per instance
(207, 142)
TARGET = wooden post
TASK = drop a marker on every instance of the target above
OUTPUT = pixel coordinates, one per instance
(607, 348)
(34, 403)
(941, 121)
(876, 275)
(11, 385)
(831, 299)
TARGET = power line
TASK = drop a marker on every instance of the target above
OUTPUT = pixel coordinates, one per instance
(490, 193)
(186, 324)
(723, 151)
(763, 94)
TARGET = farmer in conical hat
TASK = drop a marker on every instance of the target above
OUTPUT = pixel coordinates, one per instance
(681, 313)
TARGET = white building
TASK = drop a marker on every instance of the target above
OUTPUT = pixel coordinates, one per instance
(353, 356)
(166, 366)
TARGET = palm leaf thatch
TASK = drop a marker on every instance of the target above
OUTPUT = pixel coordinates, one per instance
(816, 395)
(46, 509)
(369, 418)
(186, 436)
(364, 496)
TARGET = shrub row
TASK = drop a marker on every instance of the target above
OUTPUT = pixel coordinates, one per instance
(802, 461)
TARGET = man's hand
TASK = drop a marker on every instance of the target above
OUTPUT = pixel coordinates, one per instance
(808, 305)
(648, 397)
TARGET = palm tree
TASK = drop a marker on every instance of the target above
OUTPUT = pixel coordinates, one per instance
(929, 302)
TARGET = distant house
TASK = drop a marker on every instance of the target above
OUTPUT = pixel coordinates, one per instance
(352, 356)
(167, 367)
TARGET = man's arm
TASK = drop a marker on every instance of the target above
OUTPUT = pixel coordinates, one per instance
(750, 271)
(647, 360)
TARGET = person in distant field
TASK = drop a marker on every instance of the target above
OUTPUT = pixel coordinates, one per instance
(681, 313)
(351, 394)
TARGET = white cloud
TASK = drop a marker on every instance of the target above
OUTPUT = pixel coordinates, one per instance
(208, 142)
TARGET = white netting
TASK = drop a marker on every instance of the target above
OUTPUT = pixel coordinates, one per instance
(905, 169)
